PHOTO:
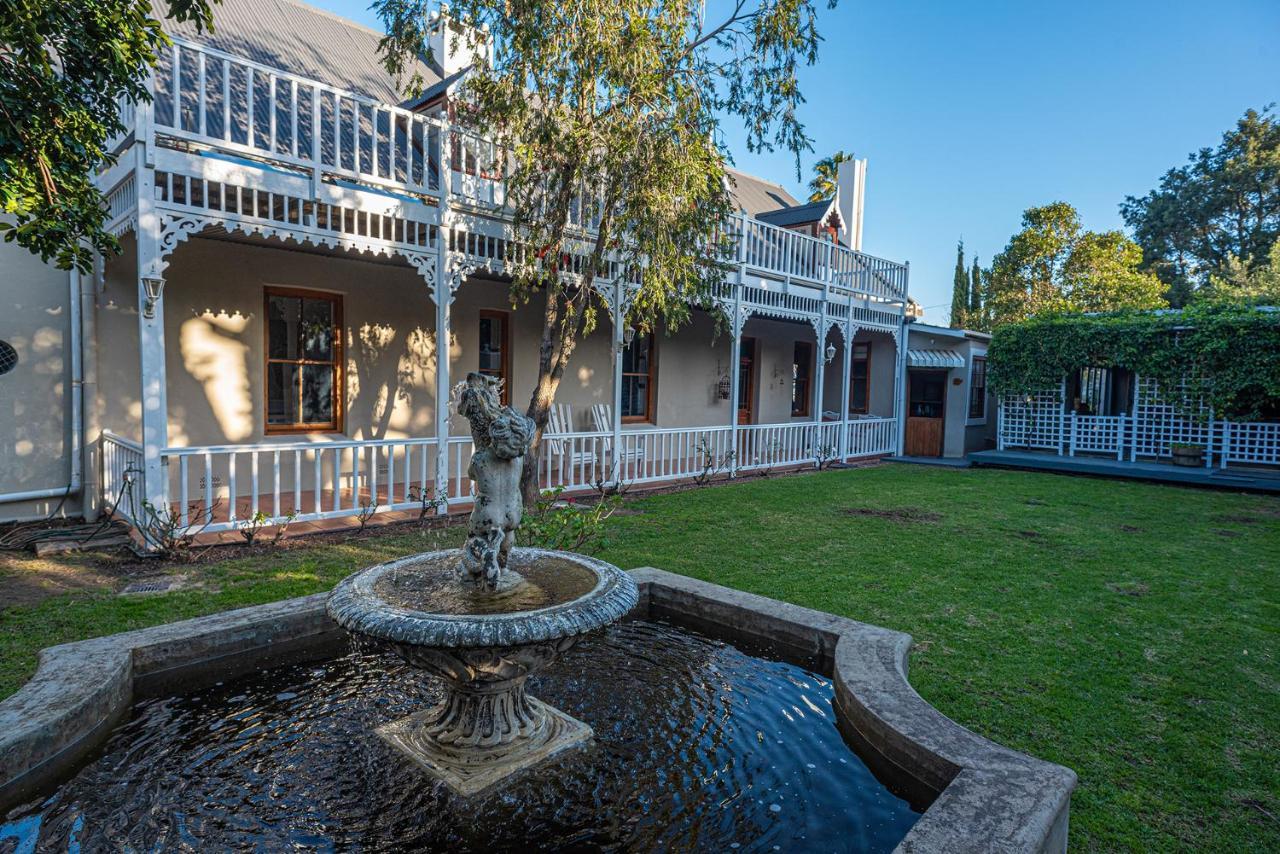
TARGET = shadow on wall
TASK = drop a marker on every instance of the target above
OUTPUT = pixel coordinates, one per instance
(215, 354)
(33, 412)
(389, 380)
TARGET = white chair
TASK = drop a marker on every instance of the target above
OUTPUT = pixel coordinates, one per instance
(560, 423)
(602, 415)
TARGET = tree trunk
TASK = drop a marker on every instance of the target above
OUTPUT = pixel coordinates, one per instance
(561, 327)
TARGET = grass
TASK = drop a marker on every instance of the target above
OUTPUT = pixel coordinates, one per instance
(1125, 630)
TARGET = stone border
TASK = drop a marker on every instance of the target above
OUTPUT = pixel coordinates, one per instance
(981, 796)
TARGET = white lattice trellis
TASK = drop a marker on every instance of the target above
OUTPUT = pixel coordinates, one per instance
(1032, 421)
(1164, 418)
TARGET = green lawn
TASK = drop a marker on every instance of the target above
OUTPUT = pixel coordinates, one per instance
(1125, 630)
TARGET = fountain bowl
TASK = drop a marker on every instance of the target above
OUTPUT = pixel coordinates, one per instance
(484, 644)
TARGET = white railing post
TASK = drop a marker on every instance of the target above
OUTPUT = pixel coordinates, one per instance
(443, 298)
(1225, 450)
(847, 377)
(735, 369)
(1000, 424)
(1071, 434)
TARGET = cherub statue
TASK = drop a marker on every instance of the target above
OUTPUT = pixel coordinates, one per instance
(502, 436)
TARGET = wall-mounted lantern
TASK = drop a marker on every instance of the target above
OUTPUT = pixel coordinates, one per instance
(722, 387)
(154, 289)
(830, 352)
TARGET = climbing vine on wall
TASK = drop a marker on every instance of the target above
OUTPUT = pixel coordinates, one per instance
(1229, 355)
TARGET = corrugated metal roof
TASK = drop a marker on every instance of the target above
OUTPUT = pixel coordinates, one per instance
(755, 195)
(812, 212)
(301, 39)
(934, 359)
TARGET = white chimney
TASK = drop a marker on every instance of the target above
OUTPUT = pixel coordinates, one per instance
(851, 189)
(452, 47)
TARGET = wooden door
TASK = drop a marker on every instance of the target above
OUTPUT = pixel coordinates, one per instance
(747, 381)
(926, 413)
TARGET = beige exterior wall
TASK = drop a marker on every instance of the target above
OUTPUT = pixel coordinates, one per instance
(883, 367)
(961, 434)
(35, 416)
(213, 304)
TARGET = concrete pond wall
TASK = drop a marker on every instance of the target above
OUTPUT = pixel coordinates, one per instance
(979, 795)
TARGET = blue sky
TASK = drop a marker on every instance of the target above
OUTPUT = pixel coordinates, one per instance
(971, 112)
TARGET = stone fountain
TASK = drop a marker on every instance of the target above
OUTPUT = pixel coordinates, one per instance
(483, 618)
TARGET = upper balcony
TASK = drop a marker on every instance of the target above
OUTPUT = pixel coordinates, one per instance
(247, 142)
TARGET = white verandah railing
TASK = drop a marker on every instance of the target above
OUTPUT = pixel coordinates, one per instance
(227, 487)
(206, 99)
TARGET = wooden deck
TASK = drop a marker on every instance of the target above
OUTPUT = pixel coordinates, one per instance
(1236, 479)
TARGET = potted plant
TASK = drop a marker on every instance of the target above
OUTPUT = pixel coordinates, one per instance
(1187, 455)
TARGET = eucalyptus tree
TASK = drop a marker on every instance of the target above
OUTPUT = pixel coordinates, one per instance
(1219, 212)
(617, 102)
(64, 66)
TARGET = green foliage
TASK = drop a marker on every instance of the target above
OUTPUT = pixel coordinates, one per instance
(1054, 266)
(64, 67)
(1229, 354)
(977, 316)
(1240, 283)
(618, 100)
(1224, 204)
(960, 291)
(564, 524)
(826, 173)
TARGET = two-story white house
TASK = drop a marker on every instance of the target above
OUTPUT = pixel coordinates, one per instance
(309, 264)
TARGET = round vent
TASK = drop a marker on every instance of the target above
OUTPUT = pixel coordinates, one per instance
(8, 357)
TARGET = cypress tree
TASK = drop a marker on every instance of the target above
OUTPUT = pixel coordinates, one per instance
(960, 290)
(975, 296)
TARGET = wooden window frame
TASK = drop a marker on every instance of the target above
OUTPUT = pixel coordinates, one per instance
(652, 389)
(853, 360)
(806, 404)
(505, 371)
(339, 376)
(982, 400)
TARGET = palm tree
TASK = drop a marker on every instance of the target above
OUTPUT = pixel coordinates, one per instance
(823, 185)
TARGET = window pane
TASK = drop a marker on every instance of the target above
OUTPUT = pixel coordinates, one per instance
(282, 394)
(317, 394)
(635, 359)
(283, 314)
(491, 345)
(315, 332)
(858, 395)
(635, 396)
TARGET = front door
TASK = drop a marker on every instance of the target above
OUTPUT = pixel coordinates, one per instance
(746, 381)
(926, 413)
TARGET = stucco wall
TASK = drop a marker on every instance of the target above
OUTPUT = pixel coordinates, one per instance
(35, 418)
(215, 338)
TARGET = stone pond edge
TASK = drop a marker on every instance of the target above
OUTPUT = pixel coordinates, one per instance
(981, 796)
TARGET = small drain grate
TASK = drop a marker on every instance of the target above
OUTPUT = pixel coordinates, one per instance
(147, 587)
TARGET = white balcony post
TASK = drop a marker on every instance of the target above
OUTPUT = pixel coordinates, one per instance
(900, 383)
(443, 299)
(847, 374)
(151, 349)
(619, 344)
(736, 323)
(820, 378)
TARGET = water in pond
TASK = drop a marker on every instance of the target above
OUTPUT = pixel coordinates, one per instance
(533, 581)
(698, 746)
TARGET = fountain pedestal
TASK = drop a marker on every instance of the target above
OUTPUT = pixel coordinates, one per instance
(483, 645)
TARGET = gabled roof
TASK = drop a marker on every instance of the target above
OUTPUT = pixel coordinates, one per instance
(300, 39)
(800, 214)
(755, 195)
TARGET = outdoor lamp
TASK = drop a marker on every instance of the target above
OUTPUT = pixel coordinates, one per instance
(154, 288)
(722, 387)
(628, 335)
(830, 352)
